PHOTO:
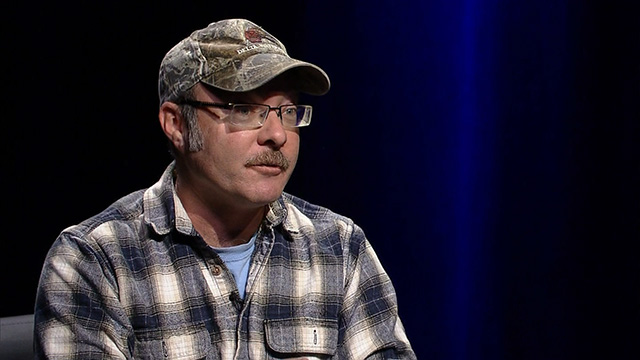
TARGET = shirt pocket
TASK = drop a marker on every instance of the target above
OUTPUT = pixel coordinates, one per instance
(186, 344)
(289, 337)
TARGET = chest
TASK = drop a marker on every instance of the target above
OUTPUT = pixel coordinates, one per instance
(292, 303)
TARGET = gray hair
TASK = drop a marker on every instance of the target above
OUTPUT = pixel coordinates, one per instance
(193, 136)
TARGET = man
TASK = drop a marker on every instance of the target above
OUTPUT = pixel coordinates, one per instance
(215, 261)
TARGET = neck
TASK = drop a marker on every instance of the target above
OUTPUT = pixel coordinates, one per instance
(218, 224)
(224, 231)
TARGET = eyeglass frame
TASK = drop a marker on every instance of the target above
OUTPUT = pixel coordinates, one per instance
(231, 106)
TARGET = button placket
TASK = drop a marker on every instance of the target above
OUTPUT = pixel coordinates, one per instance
(216, 270)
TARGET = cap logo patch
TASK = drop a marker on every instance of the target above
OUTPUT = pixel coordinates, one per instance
(254, 38)
(253, 35)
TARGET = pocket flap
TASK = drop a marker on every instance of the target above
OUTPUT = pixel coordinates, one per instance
(183, 345)
(302, 336)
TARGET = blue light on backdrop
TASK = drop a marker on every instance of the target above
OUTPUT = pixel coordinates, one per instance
(460, 120)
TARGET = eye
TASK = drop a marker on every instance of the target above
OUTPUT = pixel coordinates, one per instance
(243, 110)
(289, 111)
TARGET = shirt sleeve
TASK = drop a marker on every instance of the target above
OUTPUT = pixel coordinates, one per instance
(77, 312)
(369, 319)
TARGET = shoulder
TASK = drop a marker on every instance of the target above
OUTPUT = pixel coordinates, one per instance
(126, 212)
(99, 241)
(301, 210)
(304, 219)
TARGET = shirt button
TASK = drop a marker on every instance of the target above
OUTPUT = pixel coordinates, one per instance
(217, 270)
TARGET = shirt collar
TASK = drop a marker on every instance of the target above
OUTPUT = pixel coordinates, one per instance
(159, 204)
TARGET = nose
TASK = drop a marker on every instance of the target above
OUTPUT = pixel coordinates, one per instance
(272, 131)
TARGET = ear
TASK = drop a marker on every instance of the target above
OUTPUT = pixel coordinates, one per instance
(172, 124)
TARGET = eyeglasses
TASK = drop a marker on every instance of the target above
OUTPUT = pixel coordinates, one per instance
(254, 115)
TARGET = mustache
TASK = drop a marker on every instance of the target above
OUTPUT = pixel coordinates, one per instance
(269, 158)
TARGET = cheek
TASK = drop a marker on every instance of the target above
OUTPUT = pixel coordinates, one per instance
(227, 153)
(292, 147)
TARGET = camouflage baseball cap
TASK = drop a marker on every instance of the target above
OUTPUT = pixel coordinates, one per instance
(233, 55)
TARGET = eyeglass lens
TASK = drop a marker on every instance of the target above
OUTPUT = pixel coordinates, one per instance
(256, 114)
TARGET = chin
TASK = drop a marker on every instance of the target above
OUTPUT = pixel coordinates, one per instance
(264, 197)
(266, 190)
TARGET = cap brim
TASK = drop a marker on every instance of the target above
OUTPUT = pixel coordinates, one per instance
(259, 69)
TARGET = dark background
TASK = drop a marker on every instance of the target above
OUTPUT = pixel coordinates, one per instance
(489, 149)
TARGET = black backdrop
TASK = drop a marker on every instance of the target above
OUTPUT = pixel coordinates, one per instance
(489, 149)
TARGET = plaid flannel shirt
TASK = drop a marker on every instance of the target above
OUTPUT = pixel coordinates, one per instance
(137, 282)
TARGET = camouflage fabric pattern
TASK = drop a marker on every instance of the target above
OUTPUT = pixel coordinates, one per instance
(234, 55)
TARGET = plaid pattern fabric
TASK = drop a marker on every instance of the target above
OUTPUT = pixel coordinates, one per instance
(137, 281)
